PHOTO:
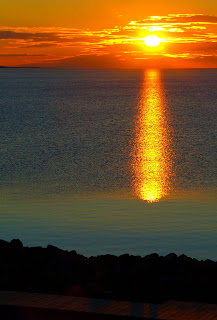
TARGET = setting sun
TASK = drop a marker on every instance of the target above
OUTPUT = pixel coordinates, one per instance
(152, 41)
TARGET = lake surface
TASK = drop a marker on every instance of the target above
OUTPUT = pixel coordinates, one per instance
(110, 161)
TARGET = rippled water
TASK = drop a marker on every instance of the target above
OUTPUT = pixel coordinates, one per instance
(110, 161)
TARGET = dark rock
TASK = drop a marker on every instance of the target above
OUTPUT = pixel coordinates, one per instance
(152, 257)
(73, 253)
(171, 257)
(151, 278)
(4, 245)
(16, 244)
(52, 250)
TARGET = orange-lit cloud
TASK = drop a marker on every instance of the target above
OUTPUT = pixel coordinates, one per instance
(187, 40)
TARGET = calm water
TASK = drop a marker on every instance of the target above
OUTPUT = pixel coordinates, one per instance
(110, 161)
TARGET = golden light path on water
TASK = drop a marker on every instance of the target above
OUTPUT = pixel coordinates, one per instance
(151, 163)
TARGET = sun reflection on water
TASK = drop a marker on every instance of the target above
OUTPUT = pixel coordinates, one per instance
(151, 163)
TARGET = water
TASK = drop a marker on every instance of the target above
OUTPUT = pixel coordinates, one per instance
(110, 161)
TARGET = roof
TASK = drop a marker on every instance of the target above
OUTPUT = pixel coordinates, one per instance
(174, 310)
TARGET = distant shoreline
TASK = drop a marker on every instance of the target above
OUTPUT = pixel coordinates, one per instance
(100, 69)
(6, 67)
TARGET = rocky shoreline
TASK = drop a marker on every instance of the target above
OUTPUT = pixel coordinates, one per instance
(152, 278)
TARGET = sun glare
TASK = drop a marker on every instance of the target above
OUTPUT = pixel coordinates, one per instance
(152, 41)
(151, 164)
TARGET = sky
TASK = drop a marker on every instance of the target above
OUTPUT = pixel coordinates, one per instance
(108, 33)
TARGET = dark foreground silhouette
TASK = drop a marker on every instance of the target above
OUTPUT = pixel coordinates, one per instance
(152, 278)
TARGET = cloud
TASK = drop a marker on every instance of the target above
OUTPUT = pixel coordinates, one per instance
(175, 23)
(178, 18)
(181, 26)
(40, 45)
(111, 61)
(45, 39)
(194, 18)
(183, 36)
(21, 55)
(8, 35)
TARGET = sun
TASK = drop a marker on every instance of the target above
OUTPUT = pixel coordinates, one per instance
(152, 41)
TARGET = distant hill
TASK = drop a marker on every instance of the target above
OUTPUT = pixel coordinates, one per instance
(20, 67)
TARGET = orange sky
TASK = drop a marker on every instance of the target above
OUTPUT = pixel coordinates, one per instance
(108, 33)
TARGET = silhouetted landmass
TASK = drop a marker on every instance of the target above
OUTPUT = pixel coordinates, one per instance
(19, 67)
(152, 278)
